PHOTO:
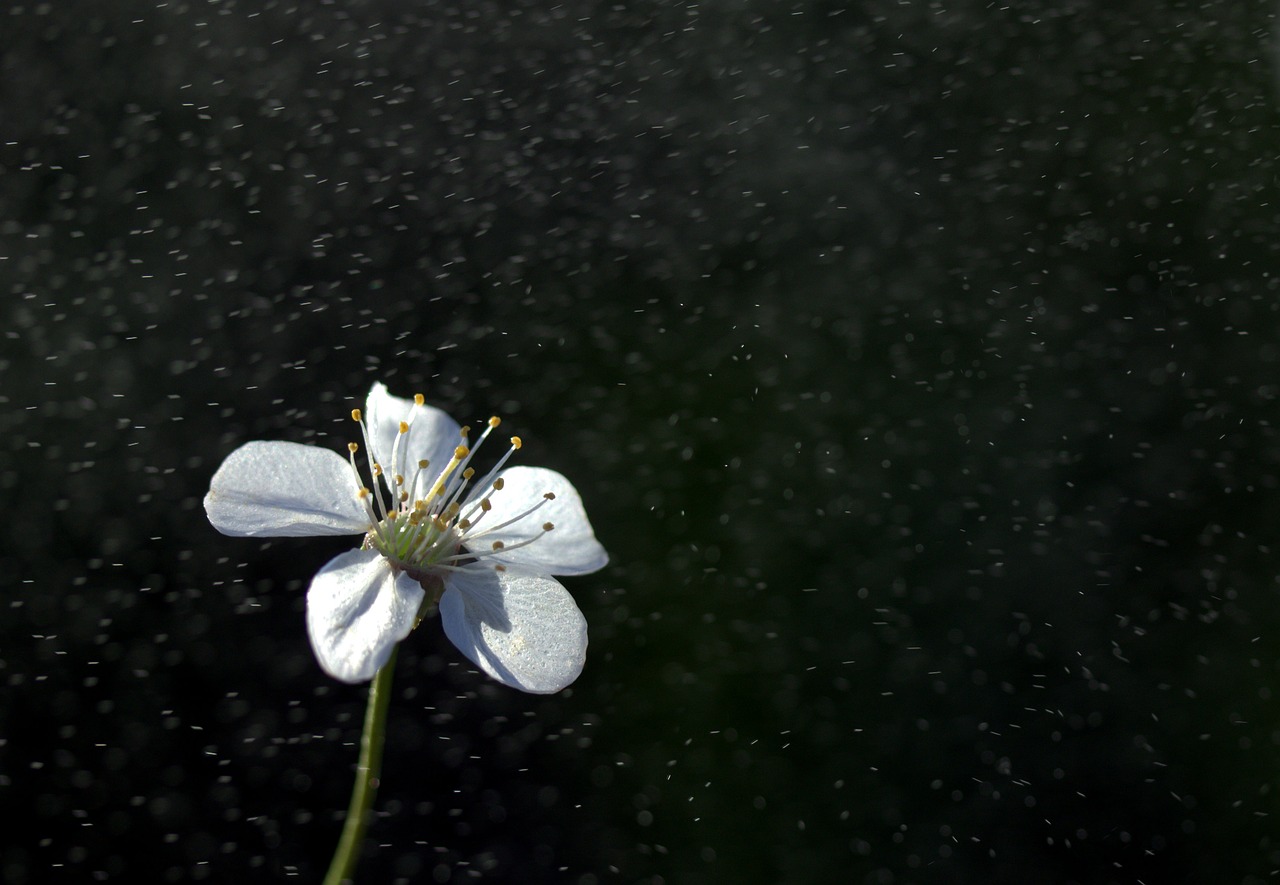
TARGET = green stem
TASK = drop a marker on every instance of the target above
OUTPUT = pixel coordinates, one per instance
(342, 868)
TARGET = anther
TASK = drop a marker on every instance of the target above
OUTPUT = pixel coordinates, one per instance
(404, 427)
(498, 484)
(355, 415)
(468, 473)
(515, 442)
(460, 452)
(550, 496)
(548, 526)
(399, 480)
(498, 545)
(377, 469)
(363, 493)
(419, 399)
(495, 421)
(485, 505)
(353, 447)
(424, 464)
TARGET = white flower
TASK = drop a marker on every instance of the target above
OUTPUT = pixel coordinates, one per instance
(485, 548)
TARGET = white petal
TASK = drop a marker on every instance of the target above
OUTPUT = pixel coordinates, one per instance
(283, 489)
(358, 608)
(570, 548)
(523, 630)
(432, 434)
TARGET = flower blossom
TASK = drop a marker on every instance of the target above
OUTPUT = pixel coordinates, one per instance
(483, 548)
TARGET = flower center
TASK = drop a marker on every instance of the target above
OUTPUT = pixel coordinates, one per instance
(429, 512)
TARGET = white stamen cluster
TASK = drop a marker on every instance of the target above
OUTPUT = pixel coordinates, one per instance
(420, 526)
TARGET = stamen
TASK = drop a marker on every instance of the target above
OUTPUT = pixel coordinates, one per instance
(363, 495)
(502, 525)
(466, 475)
(492, 423)
(413, 485)
(498, 483)
(363, 492)
(358, 417)
(397, 446)
(419, 399)
(500, 546)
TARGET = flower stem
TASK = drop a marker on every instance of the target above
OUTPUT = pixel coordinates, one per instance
(342, 867)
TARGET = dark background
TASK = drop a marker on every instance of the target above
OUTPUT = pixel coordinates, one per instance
(917, 362)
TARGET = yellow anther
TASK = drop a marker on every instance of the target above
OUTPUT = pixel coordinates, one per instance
(461, 452)
(468, 473)
(498, 484)
(363, 493)
(495, 421)
(399, 480)
(377, 470)
(466, 429)
(548, 526)
(438, 490)
(419, 399)
(452, 509)
(404, 427)
(355, 414)
(485, 505)
(550, 496)
(424, 464)
(464, 524)
(515, 442)
(498, 545)
(353, 447)
(404, 496)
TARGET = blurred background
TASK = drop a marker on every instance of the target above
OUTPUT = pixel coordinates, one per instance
(916, 360)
